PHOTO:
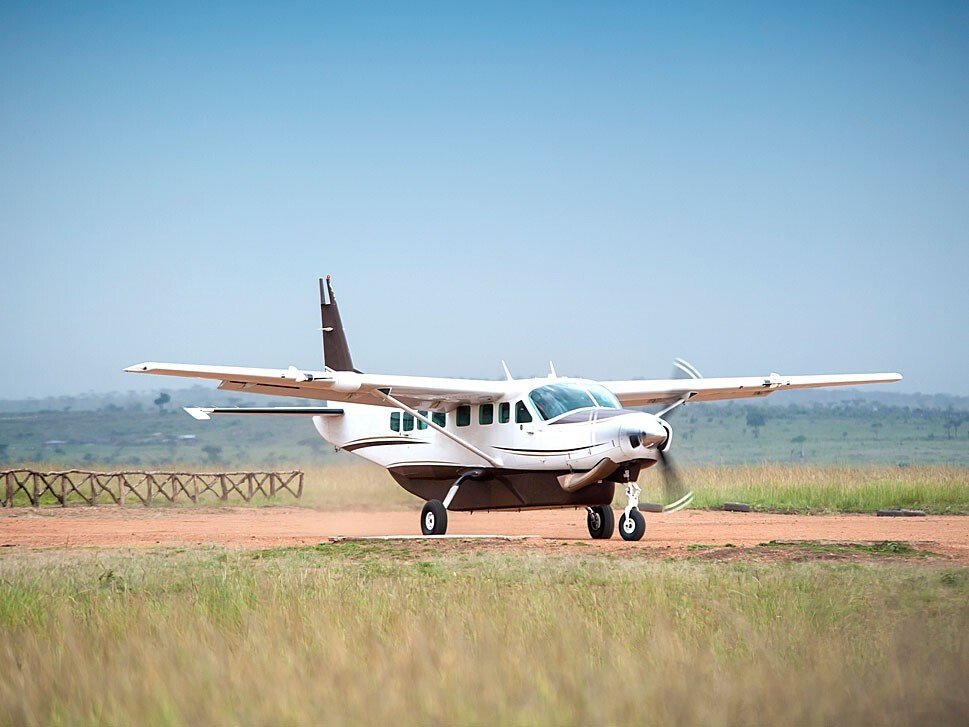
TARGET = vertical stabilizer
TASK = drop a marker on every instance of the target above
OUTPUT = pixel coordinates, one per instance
(336, 352)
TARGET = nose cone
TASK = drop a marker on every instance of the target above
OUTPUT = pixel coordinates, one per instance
(654, 433)
(647, 430)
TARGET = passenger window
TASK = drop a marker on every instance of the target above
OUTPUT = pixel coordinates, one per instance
(439, 418)
(521, 413)
(504, 412)
(464, 415)
(408, 422)
(395, 420)
(486, 414)
(422, 424)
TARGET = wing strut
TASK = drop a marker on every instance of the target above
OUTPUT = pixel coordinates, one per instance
(380, 393)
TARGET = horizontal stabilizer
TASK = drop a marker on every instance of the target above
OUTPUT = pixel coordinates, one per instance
(203, 413)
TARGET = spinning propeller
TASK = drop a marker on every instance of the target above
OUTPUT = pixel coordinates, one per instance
(674, 491)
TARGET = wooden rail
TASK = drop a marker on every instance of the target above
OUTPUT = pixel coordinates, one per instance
(120, 488)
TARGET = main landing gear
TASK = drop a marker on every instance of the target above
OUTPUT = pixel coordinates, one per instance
(601, 522)
(434, 514)
(632, 524)
(434, 518)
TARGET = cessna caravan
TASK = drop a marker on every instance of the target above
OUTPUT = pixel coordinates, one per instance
(514, 444)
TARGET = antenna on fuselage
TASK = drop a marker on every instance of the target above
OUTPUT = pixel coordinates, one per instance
(508, 376)
(551, 371)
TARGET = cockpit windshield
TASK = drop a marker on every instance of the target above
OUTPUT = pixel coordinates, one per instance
(552, 400)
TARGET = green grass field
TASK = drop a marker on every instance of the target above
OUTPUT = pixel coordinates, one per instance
(379, 633)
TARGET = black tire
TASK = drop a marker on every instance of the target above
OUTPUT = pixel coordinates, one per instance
(601, 522)
(434, 518)
(633, 527)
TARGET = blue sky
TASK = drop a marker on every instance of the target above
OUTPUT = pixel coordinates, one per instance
(754, 187)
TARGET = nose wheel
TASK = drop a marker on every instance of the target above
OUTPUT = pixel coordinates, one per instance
(601, 522)
(632, 525)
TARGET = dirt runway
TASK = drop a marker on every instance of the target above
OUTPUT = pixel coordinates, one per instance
(273, 526)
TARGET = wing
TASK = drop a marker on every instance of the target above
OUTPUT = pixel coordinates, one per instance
(418, 392)
(668, 391)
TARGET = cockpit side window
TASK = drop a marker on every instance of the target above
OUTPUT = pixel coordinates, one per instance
(604, 397)
(522, 415)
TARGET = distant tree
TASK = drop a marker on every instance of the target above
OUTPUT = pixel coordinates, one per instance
(755, 420)
(3, 451)
(213, 452)
(314, 443)
(800, 439)
(875, 426)
(160, 402)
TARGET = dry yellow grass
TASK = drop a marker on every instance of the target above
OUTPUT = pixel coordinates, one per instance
(937, 489)
(793, 488)
(355, 634)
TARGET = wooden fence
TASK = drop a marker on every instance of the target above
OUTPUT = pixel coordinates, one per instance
(120, 488)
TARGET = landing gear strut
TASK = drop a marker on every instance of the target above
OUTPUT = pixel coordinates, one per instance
(632, 524)
(434, 514)
(601, 522)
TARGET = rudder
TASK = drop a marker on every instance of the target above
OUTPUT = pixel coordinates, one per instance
(336, 352)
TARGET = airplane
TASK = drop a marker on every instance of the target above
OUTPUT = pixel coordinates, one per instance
(513, 444)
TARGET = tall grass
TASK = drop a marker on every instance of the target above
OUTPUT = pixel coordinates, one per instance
(354, 634)
(780, 488)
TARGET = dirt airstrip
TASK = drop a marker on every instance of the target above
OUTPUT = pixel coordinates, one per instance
(667, 535)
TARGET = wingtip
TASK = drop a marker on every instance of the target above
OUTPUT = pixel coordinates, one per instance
(139, 368)
(198, 413)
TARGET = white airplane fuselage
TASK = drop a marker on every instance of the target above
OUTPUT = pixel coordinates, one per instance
(529, 456)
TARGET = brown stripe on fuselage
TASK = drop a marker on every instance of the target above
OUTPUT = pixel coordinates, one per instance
(379, 443)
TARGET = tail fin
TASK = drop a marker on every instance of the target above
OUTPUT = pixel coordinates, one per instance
(336, 352)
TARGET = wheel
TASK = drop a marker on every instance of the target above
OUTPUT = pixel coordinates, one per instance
(633, 527)
(601, 522)
(434, 518)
